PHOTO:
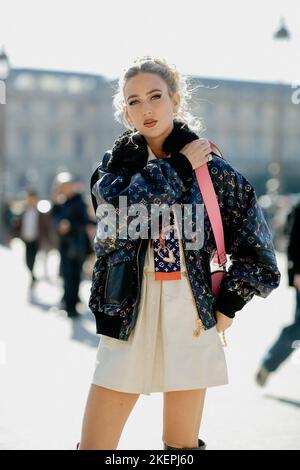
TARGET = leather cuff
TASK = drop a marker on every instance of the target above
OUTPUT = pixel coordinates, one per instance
(229, 302)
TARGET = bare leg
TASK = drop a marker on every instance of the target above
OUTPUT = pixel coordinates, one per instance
(105, 415)
(182, 414)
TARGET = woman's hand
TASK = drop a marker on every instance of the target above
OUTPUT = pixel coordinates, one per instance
(64, 226)
(197, 152)
(297, 281)
(223, 322)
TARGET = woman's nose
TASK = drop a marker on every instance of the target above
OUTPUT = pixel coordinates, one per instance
(147, 108)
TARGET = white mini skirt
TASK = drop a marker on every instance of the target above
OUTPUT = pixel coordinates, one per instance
(162, 353)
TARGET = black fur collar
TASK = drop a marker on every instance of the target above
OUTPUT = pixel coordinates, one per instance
(127, 157)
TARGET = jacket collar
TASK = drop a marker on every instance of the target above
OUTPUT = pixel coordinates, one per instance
(133, 154)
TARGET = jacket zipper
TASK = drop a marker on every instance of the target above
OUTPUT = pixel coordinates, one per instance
(137, 263)
(138, 273)
(107, 279)
(199, 322)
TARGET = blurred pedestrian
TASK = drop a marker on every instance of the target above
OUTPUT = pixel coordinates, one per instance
(283, 346)
(70, 218)
(7, 220)
(33, 227)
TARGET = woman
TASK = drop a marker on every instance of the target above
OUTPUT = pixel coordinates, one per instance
(158, 319)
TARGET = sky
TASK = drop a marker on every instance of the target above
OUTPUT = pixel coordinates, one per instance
(220, 39)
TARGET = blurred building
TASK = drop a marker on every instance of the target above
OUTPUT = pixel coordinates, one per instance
(257, 126)
(57, 121)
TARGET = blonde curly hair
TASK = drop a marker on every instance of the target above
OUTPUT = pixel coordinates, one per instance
(175, 81)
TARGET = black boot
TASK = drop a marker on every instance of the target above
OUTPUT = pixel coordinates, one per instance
(201, 446)
(262, 376)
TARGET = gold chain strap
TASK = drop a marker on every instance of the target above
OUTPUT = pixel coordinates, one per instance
(201, 327)
(224, 339)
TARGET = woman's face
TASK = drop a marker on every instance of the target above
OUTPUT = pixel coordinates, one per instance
(151, 101)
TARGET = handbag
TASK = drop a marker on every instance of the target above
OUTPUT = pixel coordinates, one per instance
(211, 203)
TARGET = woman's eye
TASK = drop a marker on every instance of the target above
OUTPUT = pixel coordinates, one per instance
(134, 101)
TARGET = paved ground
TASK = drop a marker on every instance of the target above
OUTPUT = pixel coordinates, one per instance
(46, 363)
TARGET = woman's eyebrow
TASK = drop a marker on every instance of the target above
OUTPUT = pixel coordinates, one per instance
(148, 93)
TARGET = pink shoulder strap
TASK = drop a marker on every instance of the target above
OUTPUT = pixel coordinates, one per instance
(211, 203)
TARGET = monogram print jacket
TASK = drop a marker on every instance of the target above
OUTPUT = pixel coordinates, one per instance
(116, 281)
